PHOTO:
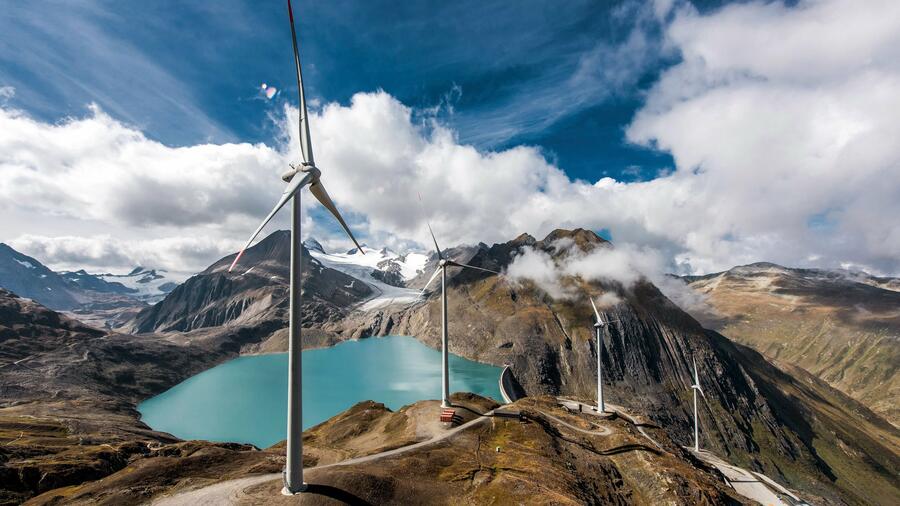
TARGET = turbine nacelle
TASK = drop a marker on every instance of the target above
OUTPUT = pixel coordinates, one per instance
(599, 323)
(305, 167)
(696, 384)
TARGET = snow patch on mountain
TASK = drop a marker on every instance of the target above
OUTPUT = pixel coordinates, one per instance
(23, 263)
(361, 266)
(149, 285)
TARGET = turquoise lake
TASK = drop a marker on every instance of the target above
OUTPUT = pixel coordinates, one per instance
(245, 400)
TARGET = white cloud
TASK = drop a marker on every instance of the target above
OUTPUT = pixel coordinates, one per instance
(104, 253)
(538, 267)
(778, 117)
(625, 264)
(782, 153)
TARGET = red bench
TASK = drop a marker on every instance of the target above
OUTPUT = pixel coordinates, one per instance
(448, 415)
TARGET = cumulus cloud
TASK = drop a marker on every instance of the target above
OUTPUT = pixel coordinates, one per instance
(538, 267)
(98, 168)
(780, 119)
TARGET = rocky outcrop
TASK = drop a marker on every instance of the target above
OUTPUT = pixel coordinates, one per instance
(389, 272)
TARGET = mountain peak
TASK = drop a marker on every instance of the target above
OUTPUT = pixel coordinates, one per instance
(582, 237)
(314, 245)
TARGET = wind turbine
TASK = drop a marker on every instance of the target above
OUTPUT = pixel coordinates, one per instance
(696, 388)
(598, 325)
(298, 177)
(443, 264)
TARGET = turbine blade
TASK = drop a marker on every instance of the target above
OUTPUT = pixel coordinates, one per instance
(696, 376)
(305, 141)
(433, 238)
(467, 266)
(318, 191)
(436, 272)
(292, 188)
(599, 320)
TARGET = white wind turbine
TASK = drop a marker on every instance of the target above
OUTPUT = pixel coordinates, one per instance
(443, 264)
(598, 326)
(696, 388)
(298, 177)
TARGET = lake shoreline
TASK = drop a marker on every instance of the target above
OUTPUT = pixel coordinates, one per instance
(243, 399)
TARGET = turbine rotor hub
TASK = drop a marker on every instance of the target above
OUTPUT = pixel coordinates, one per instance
(301, 167)
(442, 263)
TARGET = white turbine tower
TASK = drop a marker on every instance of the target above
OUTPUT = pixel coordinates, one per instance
(598, 326)
(443, 264)
(696, 388)
(298, 177)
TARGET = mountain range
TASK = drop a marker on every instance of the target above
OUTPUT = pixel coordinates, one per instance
(100, 299)
(768, 416)
(841, 326)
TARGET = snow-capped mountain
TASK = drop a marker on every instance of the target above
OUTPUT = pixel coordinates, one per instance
(147, 285)
(86, 281)
(382, 269)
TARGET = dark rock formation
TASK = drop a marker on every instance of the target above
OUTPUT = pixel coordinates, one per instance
(389, 272)
(256, 291)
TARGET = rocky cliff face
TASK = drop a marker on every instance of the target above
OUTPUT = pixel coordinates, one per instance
(256, 291)
(647, 358)
(842, 327)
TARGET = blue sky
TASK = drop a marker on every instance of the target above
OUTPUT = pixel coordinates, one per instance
(188, 72)
(710, 134)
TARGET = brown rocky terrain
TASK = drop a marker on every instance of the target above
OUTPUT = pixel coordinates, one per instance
(549, 457)
(842, 327)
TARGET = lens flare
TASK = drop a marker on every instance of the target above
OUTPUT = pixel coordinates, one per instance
(268, 91)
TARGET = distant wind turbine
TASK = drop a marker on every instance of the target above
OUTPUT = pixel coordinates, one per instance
(598, 326)
(443, 264)
(298, 177)
(696, 388)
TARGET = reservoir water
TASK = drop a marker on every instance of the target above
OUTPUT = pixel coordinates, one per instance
(245, 400)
